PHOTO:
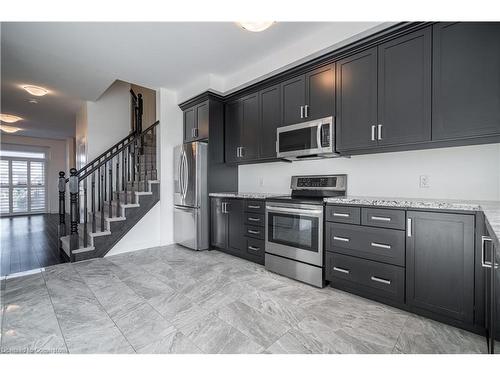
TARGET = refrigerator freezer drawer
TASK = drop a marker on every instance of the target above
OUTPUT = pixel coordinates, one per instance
(190, 228)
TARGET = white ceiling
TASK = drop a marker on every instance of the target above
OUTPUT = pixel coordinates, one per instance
(79, 61)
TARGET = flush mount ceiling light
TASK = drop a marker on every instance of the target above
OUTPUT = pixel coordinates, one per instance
(9, 118)
(9, 129)
(36, 90)
(256, 26)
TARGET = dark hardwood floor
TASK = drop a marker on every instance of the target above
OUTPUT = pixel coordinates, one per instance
(29, 242)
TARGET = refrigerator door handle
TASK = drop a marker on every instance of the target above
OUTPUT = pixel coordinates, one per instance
(181, 162)
(186, 175)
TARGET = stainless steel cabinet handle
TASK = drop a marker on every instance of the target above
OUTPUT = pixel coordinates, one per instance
(343, 270)
(253, 219)
(485, 263)
(381, 245)
(306, 111)
(408, 227)
(224, 207)
(251, 231)
(338, 214)
(343, 239)
(301, 111)
(373, 132)
(379, 132)
(242, 149)
(253, 207)
(379, 280)
(381, 218)
(254, 248)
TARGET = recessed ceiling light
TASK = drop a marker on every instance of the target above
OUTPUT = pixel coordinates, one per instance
(9, 118)
(9, 129)
(36, 90)
(256, 26)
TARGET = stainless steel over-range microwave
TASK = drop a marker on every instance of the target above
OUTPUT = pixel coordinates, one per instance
(306, 140)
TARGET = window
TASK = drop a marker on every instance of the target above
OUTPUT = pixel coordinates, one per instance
(22, 182)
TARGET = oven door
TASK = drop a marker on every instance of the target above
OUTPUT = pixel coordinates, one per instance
(295, 231)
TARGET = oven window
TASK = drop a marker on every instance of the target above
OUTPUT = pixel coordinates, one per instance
(294, 230)
(300, 139)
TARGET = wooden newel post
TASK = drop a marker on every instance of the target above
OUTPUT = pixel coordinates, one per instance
(62, 204)
(74, 212)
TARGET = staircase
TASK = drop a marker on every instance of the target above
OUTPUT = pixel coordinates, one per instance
(110, 194)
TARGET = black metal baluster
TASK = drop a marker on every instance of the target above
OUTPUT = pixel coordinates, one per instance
(133, 169)
(99, 207)
(154, 154)
(92, 202)
(101, 195)
(126, 174)
(74, 211)
(117, 188)
(85, 213)
(105, 180)
(62, 204)
(139, 153)
(111, 189)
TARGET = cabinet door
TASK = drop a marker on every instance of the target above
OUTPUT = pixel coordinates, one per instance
(294, 97)
(218, 224)
(356, 100)
(404, 89)
(189, 123)
(250, 131)
(270, 109)
(236, 226)
(320, 92)
(202, 120)
(233, 130)
(466, 80)
(440, 264)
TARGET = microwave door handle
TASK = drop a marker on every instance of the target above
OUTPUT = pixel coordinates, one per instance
(318, 136)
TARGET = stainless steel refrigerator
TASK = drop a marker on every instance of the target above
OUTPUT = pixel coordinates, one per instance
(191, 210)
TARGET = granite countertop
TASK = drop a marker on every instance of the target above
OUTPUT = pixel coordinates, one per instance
(490, 209)
(244, 195)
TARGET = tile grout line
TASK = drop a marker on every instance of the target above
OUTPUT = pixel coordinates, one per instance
(106, 311)
(400, 332)
(55, 314)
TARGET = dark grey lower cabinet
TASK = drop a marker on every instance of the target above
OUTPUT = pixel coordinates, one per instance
(440, 265)
(235, 225)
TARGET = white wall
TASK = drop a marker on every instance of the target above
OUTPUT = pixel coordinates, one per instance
(81, 136)
(56, 161)
(108, 119)
(470, 172)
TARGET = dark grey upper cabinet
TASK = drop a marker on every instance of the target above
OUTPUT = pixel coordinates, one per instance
(440, 264)
(250, 127)
(196, 122)
(356, 101)
(293, 100)
(233, 131)
(404, 89)
(270, 109)
(189, 123)
(466, 80)
(320, 93)
(202, 120)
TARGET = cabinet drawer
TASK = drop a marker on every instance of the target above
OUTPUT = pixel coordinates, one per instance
(254, 219)
(255, 247)
(368, 278)
(255, 232)
(343, 214)
(384, 218)
(383, 245)
(257, 206)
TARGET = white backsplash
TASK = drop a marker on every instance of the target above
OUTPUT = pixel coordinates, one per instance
(469, 172)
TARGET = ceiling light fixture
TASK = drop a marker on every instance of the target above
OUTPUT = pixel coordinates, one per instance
(36, 90)
(9, 129)
(9, 118)
(256, 26)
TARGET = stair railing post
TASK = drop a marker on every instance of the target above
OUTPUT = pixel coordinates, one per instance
(101, 196)
(117, 185)
(92, 202)
(140, 105)
(85, 213)
(62, 204)
(74, 211)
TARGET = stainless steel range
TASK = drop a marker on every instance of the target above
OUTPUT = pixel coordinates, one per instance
(294, 227)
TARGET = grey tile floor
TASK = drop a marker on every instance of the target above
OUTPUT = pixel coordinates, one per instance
(173, 300)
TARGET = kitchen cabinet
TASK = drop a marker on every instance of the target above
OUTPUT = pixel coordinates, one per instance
(233, 131)
(466, 80)
(491, 256)
(310, 96)
(384, 94)
(270, 109)
(218, 223)
(196, 122)
(440, 265)
(235, 226)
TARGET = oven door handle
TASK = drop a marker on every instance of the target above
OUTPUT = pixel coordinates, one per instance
(286, 210)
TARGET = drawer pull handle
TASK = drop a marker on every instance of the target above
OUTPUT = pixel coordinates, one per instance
(379, 280)
(381, 218)
(253, 207)
(253, 248)
(338, 214)
(343, 239)
(251, 231)
(381, 245)
(343, 270)
(253, 219)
